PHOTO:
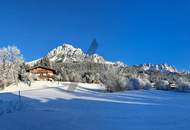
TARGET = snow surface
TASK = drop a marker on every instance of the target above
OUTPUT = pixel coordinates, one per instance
(32, 63)
(68, 53)
(77, 106)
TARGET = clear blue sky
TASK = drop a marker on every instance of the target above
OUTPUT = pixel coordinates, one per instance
(133, 31)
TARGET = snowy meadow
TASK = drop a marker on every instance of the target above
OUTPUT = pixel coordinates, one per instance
(70, 106)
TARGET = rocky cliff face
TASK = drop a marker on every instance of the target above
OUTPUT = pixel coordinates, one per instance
(66, 53)
(158, 67)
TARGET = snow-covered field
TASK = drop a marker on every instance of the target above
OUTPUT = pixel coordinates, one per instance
(72, 106)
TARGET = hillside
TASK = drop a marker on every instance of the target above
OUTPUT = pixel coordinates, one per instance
(73, 65)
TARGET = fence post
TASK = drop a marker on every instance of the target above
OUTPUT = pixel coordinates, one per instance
(19, 96)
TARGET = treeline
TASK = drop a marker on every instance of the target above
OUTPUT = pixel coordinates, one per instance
(117, 78)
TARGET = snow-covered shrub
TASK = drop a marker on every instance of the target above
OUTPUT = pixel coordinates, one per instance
(122, 82)
(137, 83)
(147, 84)
(68, 76)
(58, 77)
(162, 85)
(75, 77)
(119, 82)
(79, 76)
(182, 84)
(113, 82)
(97, 78)
(89, 77)
(64, 76)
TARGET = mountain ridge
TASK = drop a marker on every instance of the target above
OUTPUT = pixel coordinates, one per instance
(67, 53)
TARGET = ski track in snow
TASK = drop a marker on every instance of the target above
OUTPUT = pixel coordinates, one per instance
(68, 106)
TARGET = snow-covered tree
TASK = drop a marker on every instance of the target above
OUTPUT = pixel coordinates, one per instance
(10, 62)
(138, 83)
(3, 65)
(23, 75)
(162, 85)
(182, 84)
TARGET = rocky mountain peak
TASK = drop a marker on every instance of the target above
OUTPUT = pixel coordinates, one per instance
(158, 67)
(67, 53)
(65, 50)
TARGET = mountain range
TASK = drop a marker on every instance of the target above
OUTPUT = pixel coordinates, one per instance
(66, 53)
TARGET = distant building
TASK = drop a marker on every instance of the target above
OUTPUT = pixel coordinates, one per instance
(43, 73)
(173, 86)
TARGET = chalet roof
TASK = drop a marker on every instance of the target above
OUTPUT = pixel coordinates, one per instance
(44, 67)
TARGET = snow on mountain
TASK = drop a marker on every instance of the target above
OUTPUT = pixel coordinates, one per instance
(119, 63)
(31, 63)
(158, 67)
(68, 53)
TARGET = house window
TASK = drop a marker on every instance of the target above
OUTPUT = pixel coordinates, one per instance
(51, 74)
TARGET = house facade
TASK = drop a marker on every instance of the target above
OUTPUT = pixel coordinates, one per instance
(43, 73)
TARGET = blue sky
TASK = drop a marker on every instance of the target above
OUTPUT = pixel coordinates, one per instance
(133, 31)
